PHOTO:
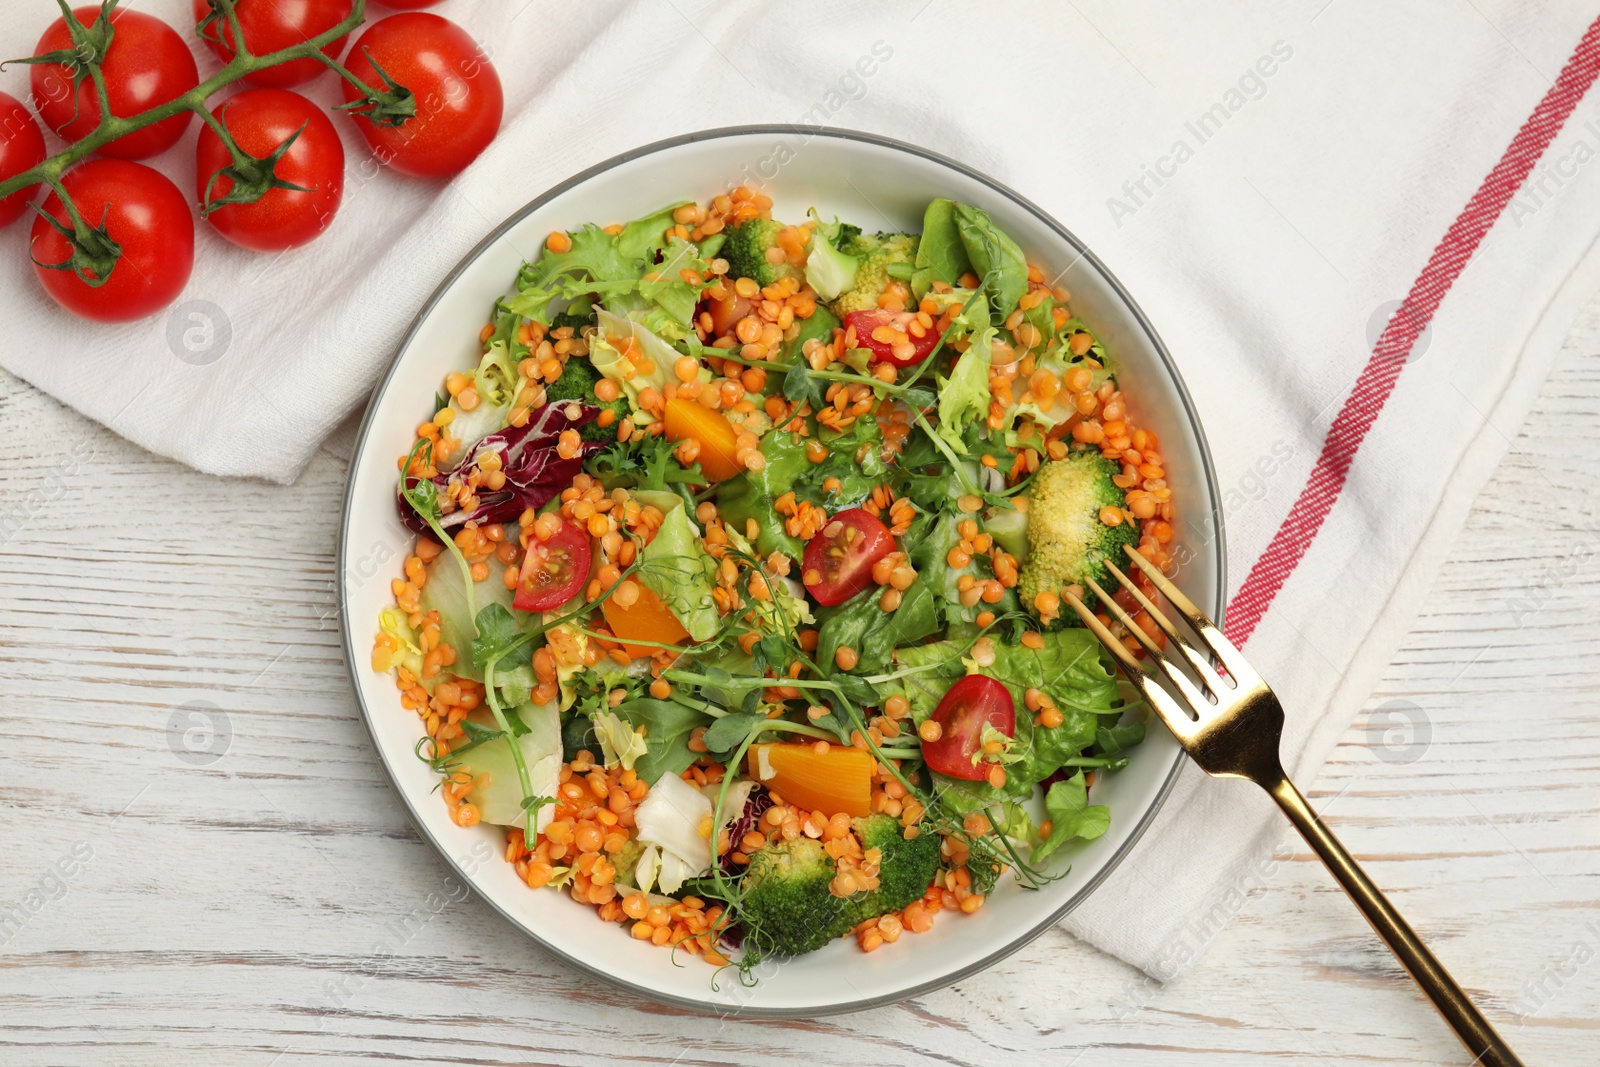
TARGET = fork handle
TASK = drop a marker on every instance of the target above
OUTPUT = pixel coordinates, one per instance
(1449, 998)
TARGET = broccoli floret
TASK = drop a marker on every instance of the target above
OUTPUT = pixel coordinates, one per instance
(577, 382)
(788, 909)
(876, 253)
(626, 861)
(1067, 542)
(746, 252)
(905, 870)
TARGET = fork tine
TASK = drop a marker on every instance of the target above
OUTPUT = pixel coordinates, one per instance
(1118, 650)
(1218, 645)
(1185, 687)
(1172, 713)
(1201, 665)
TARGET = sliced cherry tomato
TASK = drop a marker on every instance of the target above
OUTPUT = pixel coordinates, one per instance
(270, 26)
(692, 420)
(21, 148)
(554, 570)
(905, 349)
(147, 65)
(834, 781)
(838, 560)
(968, 706)
(726, 312)
(144, 214)
(457, 93)
(646, 619)
(261, 120)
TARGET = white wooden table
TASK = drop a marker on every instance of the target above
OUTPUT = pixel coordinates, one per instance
(261, 906)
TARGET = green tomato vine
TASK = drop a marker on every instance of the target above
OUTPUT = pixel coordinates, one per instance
(94, 253)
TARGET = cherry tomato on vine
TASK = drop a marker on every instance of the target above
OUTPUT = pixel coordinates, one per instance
(146, 65)
(271, 25)
(968, 706)
(456, 91)
(261, 120)
(554, 570)
(21, 148)
(147, 218)
(838, 560)
(907, 350)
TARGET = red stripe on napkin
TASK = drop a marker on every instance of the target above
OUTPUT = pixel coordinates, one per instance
(1383, 367)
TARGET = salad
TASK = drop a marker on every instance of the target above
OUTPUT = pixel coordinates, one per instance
(736, 595)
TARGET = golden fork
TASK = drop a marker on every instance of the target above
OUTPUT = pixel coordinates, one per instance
(1233, 731)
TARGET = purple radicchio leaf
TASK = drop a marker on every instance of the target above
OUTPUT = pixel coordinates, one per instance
(535, 472)
(755, 805)
(757, 802)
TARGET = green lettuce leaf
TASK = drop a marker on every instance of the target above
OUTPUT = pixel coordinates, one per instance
(678, 569)
(875, 634)
(964, 396)
(1071, 816)
(941, 256)
(997, 260)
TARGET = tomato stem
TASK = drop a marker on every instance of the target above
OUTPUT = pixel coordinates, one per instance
(393, 105)
(92, 253)
(342, 70)
(253, 177)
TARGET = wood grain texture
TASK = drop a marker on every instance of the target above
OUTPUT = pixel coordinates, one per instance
(265, 907)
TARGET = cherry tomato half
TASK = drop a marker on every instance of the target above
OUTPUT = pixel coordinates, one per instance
(261, 120)
(21, 148)
(145, 215)
(968, 706)
(459, 101)
(838, 560)
(554, 570)
(906, 350)
(272, 25)
(147, 65)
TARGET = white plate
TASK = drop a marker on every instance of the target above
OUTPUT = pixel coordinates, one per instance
(876, 183)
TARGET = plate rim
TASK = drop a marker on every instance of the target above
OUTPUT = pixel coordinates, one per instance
(352, 659)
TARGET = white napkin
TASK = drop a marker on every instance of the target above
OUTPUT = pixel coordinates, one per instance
(1266, 179)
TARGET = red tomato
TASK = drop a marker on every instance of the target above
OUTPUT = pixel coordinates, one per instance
(838, 560)
(725, 313)
(147, 65)
(145, 215)
(408, 5)
(21, 148)
(271, 25)
(971, 704)
(554, 571)
(907, 351)
(457, 93)
(261, 120)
